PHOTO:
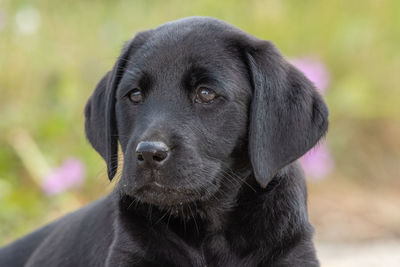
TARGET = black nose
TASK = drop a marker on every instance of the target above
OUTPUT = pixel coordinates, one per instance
(152, 153)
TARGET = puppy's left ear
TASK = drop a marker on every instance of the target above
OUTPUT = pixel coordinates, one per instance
(287, 114)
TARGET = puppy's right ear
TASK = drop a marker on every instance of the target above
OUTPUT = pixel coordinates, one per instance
(100, 120)
(97, 127)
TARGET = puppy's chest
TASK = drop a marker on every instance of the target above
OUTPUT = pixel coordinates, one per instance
(213, 251)
(166, 248)
(181, 244)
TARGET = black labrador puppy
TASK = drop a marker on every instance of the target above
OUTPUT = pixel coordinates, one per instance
(210, 121)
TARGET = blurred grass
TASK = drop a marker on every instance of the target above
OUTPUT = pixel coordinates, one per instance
(46, 77)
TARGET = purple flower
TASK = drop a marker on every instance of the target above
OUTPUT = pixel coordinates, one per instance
(314, 70)
(70, 174)
(317, 163)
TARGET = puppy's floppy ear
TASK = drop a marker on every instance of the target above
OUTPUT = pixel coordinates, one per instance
(287, 114)
(100, 120)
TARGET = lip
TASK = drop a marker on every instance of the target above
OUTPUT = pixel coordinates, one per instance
(162, 195)
(157, 187)
(156, 184)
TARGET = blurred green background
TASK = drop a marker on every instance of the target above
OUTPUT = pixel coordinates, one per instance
(52, 54)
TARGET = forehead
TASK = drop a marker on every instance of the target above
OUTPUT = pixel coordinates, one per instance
(170, 52)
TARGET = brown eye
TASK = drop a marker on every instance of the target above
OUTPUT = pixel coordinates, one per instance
(135, 96)
(205, 95)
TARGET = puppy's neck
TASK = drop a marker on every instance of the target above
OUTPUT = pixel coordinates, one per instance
(237, 220)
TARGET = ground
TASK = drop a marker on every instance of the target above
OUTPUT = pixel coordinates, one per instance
(357, 225)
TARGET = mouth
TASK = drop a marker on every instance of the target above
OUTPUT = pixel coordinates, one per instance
(160, 195)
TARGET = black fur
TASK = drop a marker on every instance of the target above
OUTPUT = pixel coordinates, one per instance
(233, 194)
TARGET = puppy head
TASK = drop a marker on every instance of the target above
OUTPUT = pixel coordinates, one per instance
(194, 101)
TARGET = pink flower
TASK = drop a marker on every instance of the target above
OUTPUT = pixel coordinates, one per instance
(314, 70)
(317, 163)
(70, 174)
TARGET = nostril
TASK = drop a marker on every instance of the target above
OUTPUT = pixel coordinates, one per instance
(140, 157)
(160, 156)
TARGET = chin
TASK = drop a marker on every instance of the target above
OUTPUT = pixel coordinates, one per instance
(163, 196)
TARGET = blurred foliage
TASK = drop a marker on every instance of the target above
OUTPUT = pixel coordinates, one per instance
(50, 65)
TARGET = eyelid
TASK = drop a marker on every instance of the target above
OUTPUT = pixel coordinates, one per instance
(128, 91)
(207, 87)
(217, 90)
